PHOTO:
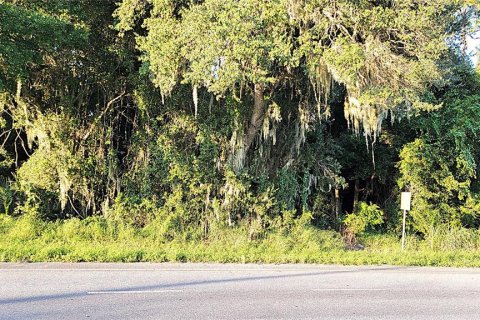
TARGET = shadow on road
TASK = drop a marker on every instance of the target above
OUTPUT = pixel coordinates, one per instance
(73, 295)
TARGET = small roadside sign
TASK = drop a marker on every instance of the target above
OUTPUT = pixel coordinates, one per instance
(405, 201)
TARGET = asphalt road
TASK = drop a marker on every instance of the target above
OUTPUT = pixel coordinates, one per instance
(210, 291)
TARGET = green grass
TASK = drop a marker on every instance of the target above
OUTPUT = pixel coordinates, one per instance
(28, 239)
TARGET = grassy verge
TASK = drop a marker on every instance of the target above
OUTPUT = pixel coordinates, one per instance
(96, 239)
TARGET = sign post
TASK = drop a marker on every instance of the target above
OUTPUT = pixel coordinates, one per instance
(405, 205)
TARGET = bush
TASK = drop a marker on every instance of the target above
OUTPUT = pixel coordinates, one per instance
(27, 227)
(364, 218)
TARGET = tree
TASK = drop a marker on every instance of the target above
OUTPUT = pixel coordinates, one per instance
(383, 56)
(224, 46)
(63, 75)
(440, 166)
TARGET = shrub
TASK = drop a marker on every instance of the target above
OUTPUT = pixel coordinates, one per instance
(364, 218)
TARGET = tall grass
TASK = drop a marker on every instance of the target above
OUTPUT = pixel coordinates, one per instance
(30, 239)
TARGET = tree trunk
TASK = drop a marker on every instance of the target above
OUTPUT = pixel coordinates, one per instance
(336, 207)
(337, 203)
(258, 114)
(237, 158)
(355, 193)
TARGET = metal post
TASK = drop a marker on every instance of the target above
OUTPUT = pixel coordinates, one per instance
(403, 229)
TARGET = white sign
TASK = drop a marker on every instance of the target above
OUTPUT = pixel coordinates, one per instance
(406, 199)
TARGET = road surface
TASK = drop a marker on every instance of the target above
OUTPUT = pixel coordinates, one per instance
(211, 291)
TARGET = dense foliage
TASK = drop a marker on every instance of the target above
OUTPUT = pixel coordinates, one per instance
(192, 118)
